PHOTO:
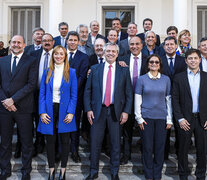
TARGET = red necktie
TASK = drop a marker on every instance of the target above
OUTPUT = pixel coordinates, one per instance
(107, 100)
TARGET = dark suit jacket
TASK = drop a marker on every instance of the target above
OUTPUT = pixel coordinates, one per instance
(57, 40)
(93, 60)
(142, 37)
(182, 99)
(89, 48)
(123, 94)
(179, 66)
(124, 47)
(29, 49)
(123, 36)
(97, 36)
(126, 59)
(19, 86)
(146, 52)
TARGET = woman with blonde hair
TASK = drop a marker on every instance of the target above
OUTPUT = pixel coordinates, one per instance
(57, 104)
(184, 39)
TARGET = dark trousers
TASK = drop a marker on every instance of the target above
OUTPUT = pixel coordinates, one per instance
(106, 118)
(24, 124)
(184, 144)
(153, 145)
(51, 141)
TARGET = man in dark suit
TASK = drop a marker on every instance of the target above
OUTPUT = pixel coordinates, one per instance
(61, 40)
(172, 64)
(37, 34)
(107, 100)
(93, 35)
(43, 56)
(147, 25)
(202, 46)
(116, 24)
(80, 62)
(18, 78)
(124, 44)
(189, 99)
(135, 46)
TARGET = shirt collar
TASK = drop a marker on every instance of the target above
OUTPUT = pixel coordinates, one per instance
(168, 57)
(107, 64)
(68, 51)
(190, 72)
(18, 56)
(138, 57)
(154, 77)
(50, 52)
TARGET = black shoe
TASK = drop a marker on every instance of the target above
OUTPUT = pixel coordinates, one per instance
(62, 177)
(17, 153)
(4, 175)
(26, 176)
(92, 177)
(124, 160)
(114, 177)
(75, 157)
(51, 176)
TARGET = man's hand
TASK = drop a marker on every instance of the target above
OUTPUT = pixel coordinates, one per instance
(89, 71)
(141, 126)
(205, 125)
(184, 125)
(168, 126)
(12, 108)
(68, 118)
(45, 118)
(123, 64)
(7, 103)
(123, 118)
(90, 117)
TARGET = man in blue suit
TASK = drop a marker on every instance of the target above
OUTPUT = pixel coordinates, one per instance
(18, 78)
(61, 40)
(80, 62)
(108, 100)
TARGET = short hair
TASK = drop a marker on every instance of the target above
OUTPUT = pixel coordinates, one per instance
(48, 35)
(111, 44)
(201, 40)
(73, 33)
(99, 39)
(2, 42)
(113, 30)
(93, 21)
(172, 28)
(170, 38)
(148, 59)
(116, 19)
(132, 23)
(185, 31)
(150, 32)
(62, 24)
(38, 29)
(191, 51)
(147, 19)
(80, 26)
(20, 36)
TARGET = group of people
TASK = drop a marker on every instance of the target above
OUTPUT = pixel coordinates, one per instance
(106, 84)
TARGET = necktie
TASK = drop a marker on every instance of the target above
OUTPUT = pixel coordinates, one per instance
(171, 65)
(63, 41)
(14, 65)
(46, 60)
(37, 47)
(101, 60)
(135, 72)
(71, 57)
(107, 100)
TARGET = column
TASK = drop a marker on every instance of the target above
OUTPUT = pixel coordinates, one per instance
(55, 15)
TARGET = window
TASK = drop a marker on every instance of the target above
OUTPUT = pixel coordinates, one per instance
(126, 15)
(24, 20)
(202, 22)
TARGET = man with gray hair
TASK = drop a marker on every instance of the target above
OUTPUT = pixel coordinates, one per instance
(202, 46)
(106, 83)
(37, 34)
(61, 40)
(84, 46)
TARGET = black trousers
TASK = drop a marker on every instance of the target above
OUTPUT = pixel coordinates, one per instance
(51, 141)
(25, 126)
(184, 144)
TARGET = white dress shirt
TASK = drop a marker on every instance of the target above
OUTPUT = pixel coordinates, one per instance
(131, 65)
(204, 63)
(17, 59)
(68, 53)
(99, 61)
(105, 73)
(173, 60)
(41, 65)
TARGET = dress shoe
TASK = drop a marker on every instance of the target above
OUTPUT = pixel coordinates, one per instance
(92, 177)
(124, 160)
(17, 153)
(4, 175)
(26, 176)
(62, 176)
(114, 177)
(51, 176)
(75, 157)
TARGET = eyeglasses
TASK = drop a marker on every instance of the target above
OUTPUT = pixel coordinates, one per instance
(154, 62)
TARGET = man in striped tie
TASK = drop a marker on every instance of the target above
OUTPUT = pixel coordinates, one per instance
(108, 101)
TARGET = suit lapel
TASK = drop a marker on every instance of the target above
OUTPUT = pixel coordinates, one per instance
(8, 65)
(51, 81)
(186, 82)
(100, 72)
(73, 59)
(166, 65)
(117, 77)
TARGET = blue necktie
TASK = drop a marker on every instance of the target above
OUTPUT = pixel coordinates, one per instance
(171, 65)
(46, 60)
(71, 57)
(101, 60)
(14, 64)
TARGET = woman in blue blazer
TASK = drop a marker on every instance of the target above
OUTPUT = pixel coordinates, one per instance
(57, 104)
